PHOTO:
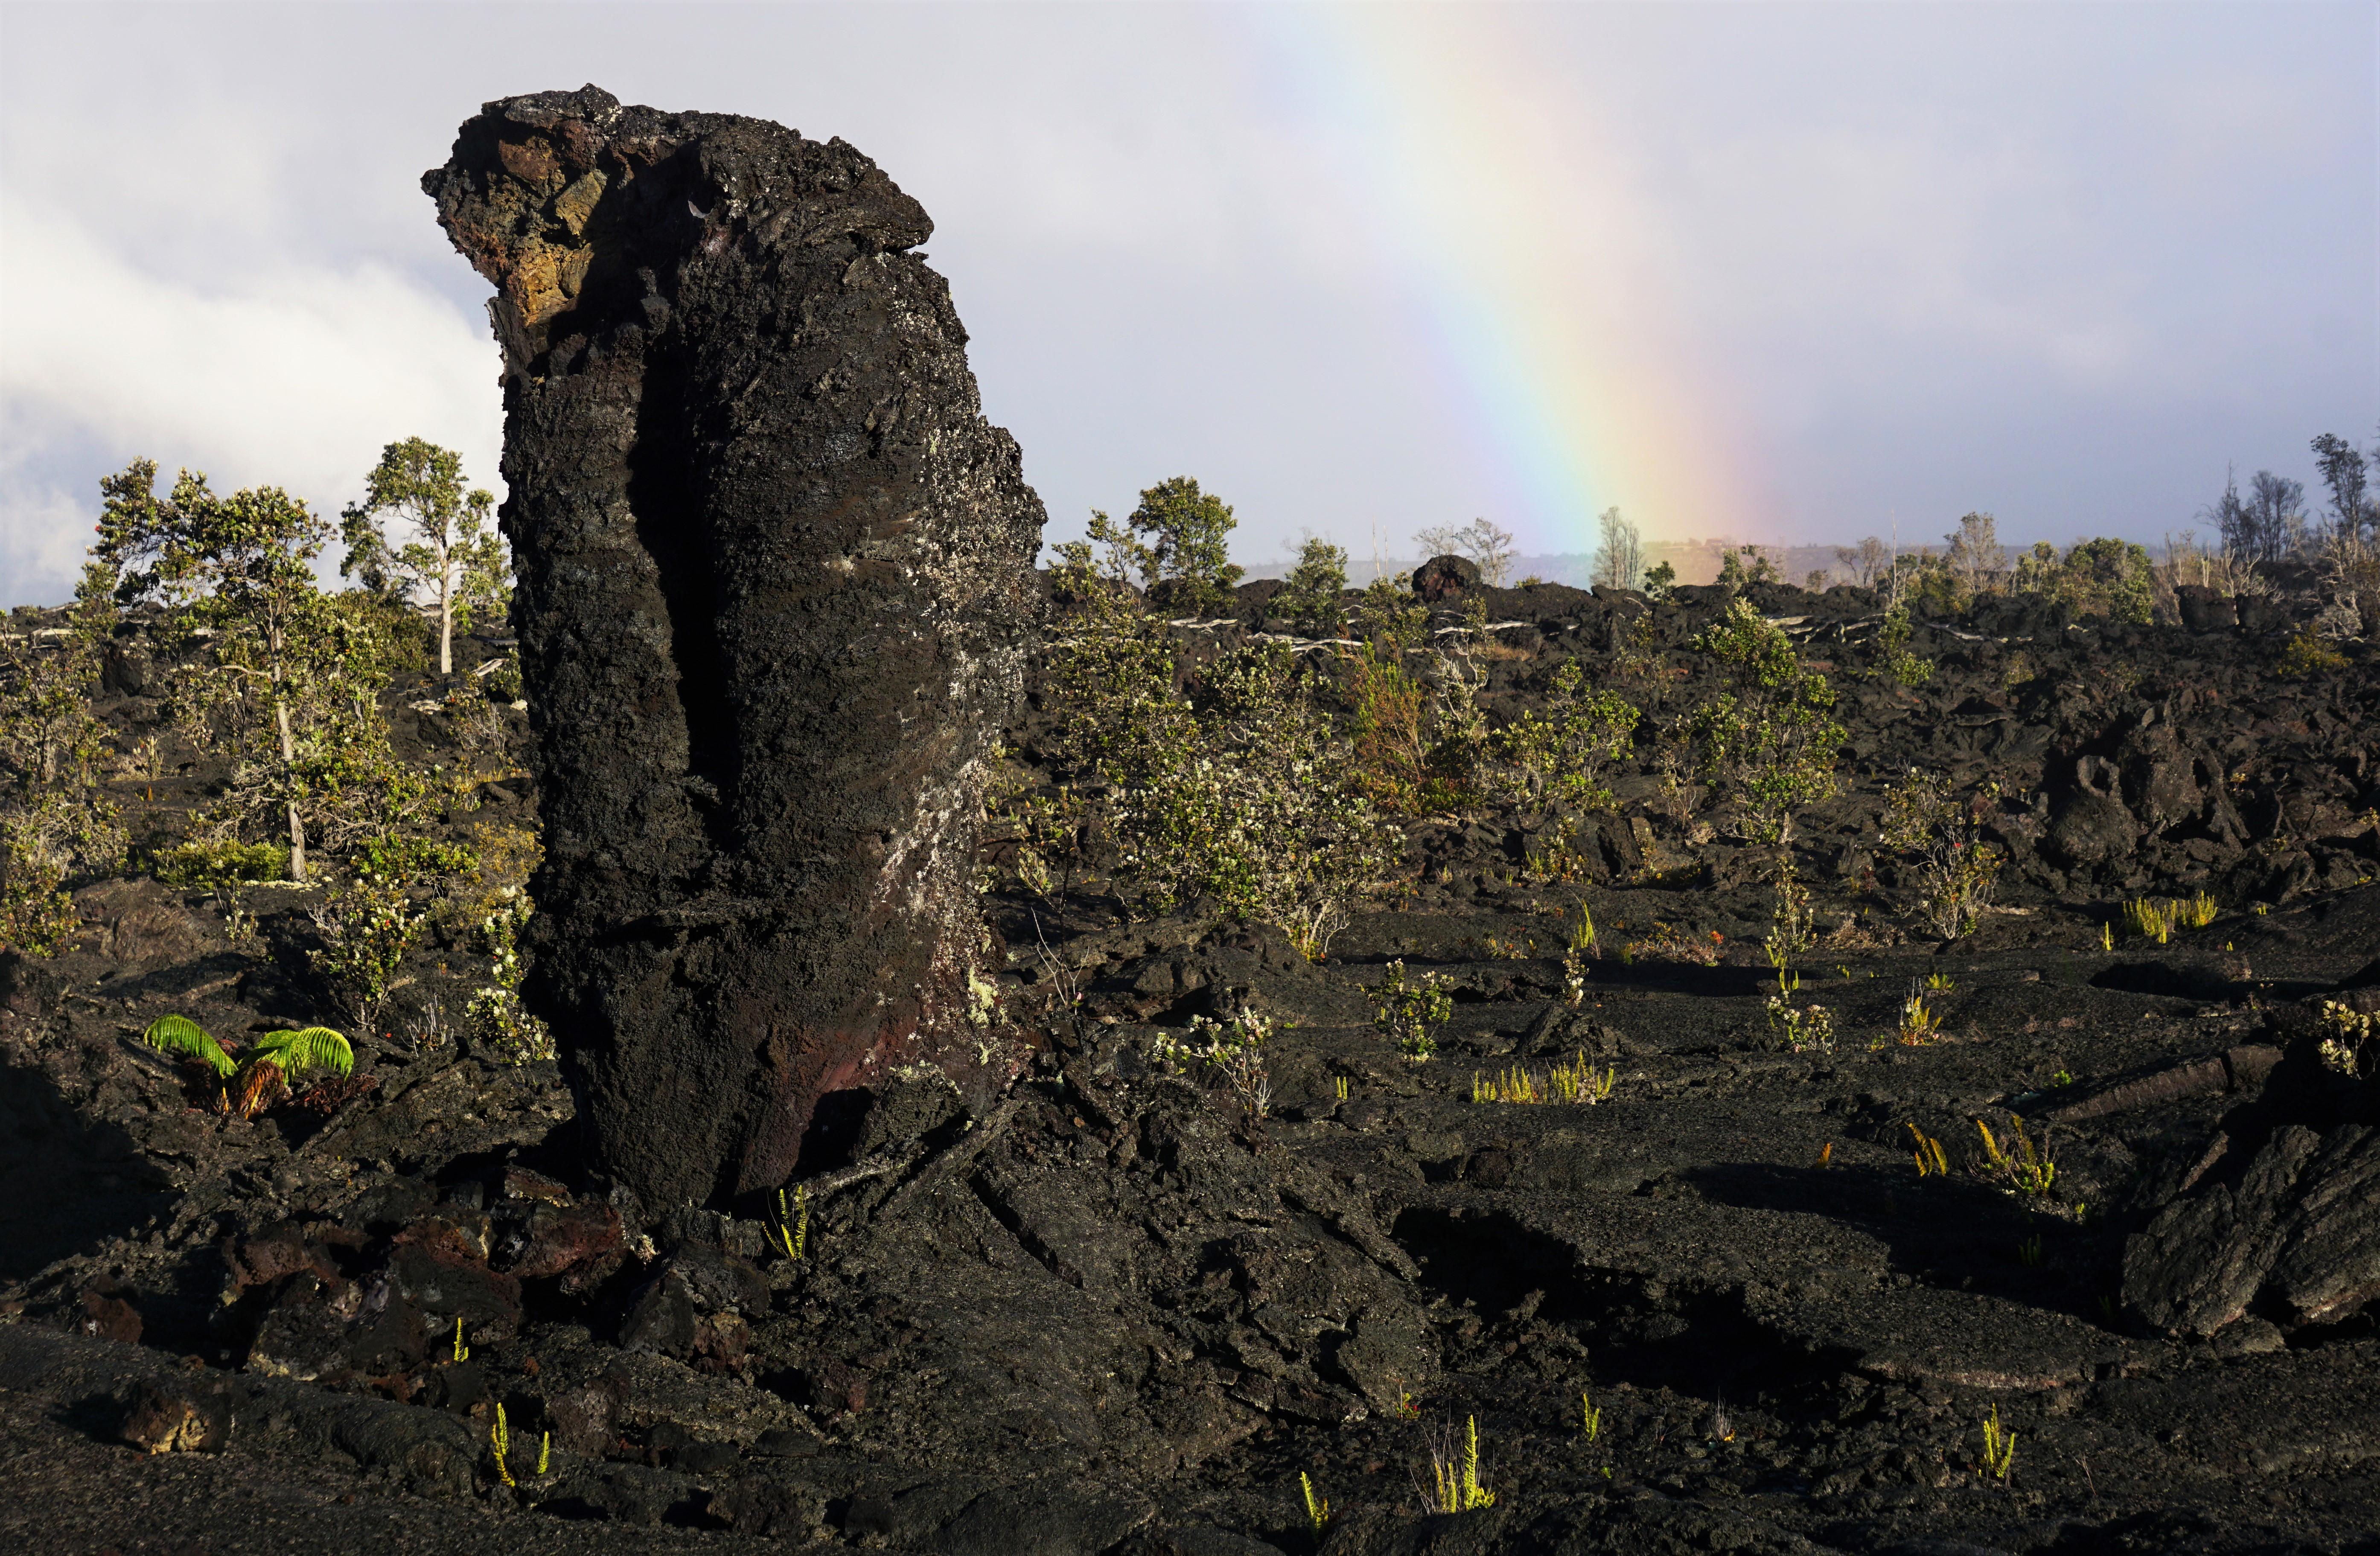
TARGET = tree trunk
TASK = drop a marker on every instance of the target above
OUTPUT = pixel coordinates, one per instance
(445, 617)
(289, 774)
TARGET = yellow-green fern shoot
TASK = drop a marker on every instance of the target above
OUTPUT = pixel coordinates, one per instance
(1317, 1509)
(793, 1224)
(2024, 1160)
(1457, 1478)
(1590, 1419)
(1932, 1161)
(310, 1048)
(2000, 1449)
(275, 1057)
(1582, 934)
(1338, 1087)
(500, 1438)
(544, 1452)
(462, 1352)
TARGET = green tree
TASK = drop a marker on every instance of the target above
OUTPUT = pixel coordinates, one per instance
(2345, 472)
(1973, 553)
(56, 823)
(1746, 565)
(1184, 563)
(453, 556)
(1310, 595)
(293, 677)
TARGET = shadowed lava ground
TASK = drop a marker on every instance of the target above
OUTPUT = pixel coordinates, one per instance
(1105, 1312)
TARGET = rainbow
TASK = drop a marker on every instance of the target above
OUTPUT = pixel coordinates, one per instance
(1536, 266)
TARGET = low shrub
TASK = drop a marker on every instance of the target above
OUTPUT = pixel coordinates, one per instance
(1769, 742)
(497, 1019)
(1409, 1011)
(213, 862)
(2307, 656)
(1944, 835)
(1234, 1048)
(1562, 755)
(366, 925)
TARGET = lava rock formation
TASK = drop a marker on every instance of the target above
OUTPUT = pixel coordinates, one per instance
(773, 604)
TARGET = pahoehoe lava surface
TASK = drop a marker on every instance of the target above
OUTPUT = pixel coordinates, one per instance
(774, 589)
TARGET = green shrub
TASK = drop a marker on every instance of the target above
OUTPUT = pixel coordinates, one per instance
(37, 914)
(413, 861)
(497, 1019)
(1310, 597)
(1565, 753)
(213, 862)
(2308, 656)
(1768, 745)
(1388, 615)
(366, 925)
(1252, 801)
(1900, 665)
(1943, 834)
(2105, 577)
(1409, 1011)
(1245, 797)
(1233, 1048)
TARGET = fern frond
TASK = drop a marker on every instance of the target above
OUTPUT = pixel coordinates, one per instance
(313, 1047)
(179, 1034)
(262, 1081)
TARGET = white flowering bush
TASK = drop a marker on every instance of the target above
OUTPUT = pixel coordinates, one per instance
(1807, 1030)
(368, 923)
(1252, 803)
(2350, 1039)
(1233, 1048)
(1408, 1011)
(496, 1016)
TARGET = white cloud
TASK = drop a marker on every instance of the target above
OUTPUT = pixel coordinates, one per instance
(295, 375)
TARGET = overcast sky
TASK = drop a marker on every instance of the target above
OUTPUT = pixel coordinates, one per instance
(1782, 272)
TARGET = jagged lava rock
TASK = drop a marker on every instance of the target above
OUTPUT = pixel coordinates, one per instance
(774, 599)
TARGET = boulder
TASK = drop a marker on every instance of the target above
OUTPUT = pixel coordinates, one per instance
(2093, 828)
(1443, 577)
(2297, 1233)
(2205, 610)
(775, 594)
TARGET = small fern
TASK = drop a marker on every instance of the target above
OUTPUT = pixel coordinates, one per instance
(313, 1047)
(179, 1034)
